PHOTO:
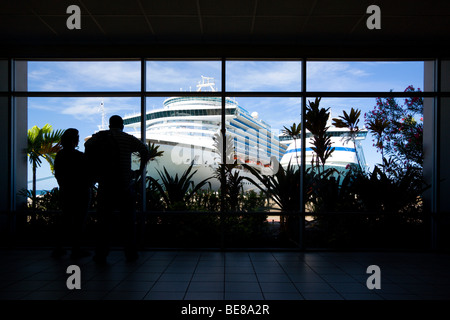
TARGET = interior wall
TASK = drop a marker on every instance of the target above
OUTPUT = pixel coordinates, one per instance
(4, 136)
(436, 151)
(4, 147)
(20, 130)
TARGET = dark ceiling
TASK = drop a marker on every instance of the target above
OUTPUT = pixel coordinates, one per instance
(319, 28)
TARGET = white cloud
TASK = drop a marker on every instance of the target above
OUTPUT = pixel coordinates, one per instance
(263, 76)
(84, 76)
(180, 75)
(89, 108)
(336, 76)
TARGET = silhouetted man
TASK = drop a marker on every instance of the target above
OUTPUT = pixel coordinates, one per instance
(71, 172)
(109, 154)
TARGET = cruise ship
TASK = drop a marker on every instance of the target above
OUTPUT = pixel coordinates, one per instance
(188, 130)
(347, 151)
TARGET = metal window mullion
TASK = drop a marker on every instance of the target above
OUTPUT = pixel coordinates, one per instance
(143, 129)
(302, 157)
(435, 186)
(11, 149)
(224, 156)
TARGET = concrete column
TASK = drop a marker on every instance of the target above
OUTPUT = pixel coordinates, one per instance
(13, 140)
(436, 151)
(20, 131)
(4, 137)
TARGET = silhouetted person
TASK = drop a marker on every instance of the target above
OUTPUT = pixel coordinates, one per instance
(109, 153)
(71, 172)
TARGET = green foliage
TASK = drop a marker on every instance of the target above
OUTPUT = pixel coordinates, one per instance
(399, 128)
(294, 132)
(42, 142)
(283, 187)
(348, 120)
(175, 191)
(153, 151)
(316, 122)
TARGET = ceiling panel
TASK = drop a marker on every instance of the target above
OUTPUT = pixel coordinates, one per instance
(284, 8)
(227, 26)
(170, 7)
(341, 8)
(145, 22)
(111, 7)
(176, 25)
(124, 25)
(276, 25)
(231, 8)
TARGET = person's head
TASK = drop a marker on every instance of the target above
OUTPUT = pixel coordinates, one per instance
(70, 138)
(116, 122)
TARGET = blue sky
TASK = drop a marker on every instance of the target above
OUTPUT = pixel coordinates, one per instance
(84, 113)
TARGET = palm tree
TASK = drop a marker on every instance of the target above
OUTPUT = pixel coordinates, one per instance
(176, 191)
(154, 153)
(293, 132)
(350, 121)
(316, 122)
(378, 126)
(42, 142)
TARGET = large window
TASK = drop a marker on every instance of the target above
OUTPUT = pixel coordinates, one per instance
(183, 107)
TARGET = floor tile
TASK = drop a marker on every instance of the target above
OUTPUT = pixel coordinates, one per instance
(241, 277)
(125, 295)
(161, 295)
(242, 287)
(278, 287)
(314, 287)
(343, 287)
(176, 275)
(45, 295)
(248, 269)
(216, 286)
(171, 286)
(134, 286)
(273, 277)
(322, 296)
(208, 277)
(204, 295)
(143, 276)
(361, 296)
(243, 296)
(283, 296)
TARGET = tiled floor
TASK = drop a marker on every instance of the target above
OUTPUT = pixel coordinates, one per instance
(212, 275)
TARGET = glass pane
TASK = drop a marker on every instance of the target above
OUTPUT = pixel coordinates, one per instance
(364, 76)
(183, 128)
(190, 76)
(373, 201)
(253, 135)
(183, 175)
(271, 190)
(84, 76)
(263, 75)
(371, 108)
(88, 115)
